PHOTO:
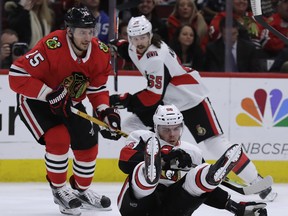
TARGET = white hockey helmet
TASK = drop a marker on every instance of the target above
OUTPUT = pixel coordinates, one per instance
(139, 26)
(167, 115)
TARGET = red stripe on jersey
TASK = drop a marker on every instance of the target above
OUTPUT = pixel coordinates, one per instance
(30, 119)
(244, 160)
(123, 190)
(183, 79)
(126, 153)
(199, 182)
(148, 98)
(209, 115)
(138, 183)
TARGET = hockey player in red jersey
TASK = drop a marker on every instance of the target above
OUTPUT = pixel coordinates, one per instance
(59, 72)
(171, 83)
(168, 176)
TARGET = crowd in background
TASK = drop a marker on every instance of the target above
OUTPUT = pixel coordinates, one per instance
(194, 29)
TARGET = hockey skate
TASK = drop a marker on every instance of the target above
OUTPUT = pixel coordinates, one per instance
(224, 165)
(152, 158)
(91, 200)
(68, 203)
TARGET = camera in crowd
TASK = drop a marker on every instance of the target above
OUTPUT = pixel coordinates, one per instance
(18, 48)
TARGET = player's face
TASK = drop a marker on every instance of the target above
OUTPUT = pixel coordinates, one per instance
(82, 37)
(170, 133)
(141, 42)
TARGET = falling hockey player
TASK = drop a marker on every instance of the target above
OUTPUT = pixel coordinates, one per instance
(155, 184)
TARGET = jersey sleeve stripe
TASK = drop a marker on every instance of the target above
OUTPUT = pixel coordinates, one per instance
(17, 71)
(93, 90)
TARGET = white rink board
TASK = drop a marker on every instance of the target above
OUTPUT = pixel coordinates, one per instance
(264, 142)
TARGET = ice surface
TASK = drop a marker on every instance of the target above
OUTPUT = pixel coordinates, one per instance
(35, 199)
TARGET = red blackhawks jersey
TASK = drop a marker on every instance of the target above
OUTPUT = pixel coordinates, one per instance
(52, 60)
(168, 80)
(133, 153)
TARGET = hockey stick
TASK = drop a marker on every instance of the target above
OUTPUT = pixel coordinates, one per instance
(95, 121)
(242, 189)
(258, 16)
(117, 10)
(249, 189)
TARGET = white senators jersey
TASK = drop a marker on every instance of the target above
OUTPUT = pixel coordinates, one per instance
(167, 79)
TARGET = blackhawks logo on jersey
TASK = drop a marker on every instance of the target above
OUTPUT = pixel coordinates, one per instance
(53, 43)
(103, 47)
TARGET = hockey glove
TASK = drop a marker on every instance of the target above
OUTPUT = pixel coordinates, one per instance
(120, 47)
(251, 209)
(60, 102)
(120, 101)
(246, 208)
(112, 119)
(176, 159)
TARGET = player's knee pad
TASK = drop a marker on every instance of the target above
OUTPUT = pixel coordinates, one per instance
(57, 140)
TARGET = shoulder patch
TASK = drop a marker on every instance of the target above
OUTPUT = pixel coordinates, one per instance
(103, 47)
(53, 43)
(151, 54)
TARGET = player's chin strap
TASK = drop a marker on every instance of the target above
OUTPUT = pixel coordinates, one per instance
(239, 188)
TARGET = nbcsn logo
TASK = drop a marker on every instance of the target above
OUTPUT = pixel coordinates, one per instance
(264, 110)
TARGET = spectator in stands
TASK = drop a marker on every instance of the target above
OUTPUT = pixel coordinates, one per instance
(147, 8)
(10, 48)
(211, 8)
(248, 29)
(186, 44)
(186, 12)
(281, 61)
(102, 19)
(165, 2)
(31, 19)
(122, 30)
(279, 21)
(244, 56)
(122, 63)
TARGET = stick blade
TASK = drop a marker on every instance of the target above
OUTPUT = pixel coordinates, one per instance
(258, 186)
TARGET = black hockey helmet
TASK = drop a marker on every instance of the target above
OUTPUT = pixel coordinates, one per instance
(79, 18)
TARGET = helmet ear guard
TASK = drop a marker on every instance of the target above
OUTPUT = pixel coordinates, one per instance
(167, 115)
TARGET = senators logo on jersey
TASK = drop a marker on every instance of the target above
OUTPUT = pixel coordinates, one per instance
(151, 54)
(53, 43)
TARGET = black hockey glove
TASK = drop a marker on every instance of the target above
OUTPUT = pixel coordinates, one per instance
(246, 208)
(251, 208)
(176, 159)
(60, 102)
(111, 117)
(120, 101)
(120, 47)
